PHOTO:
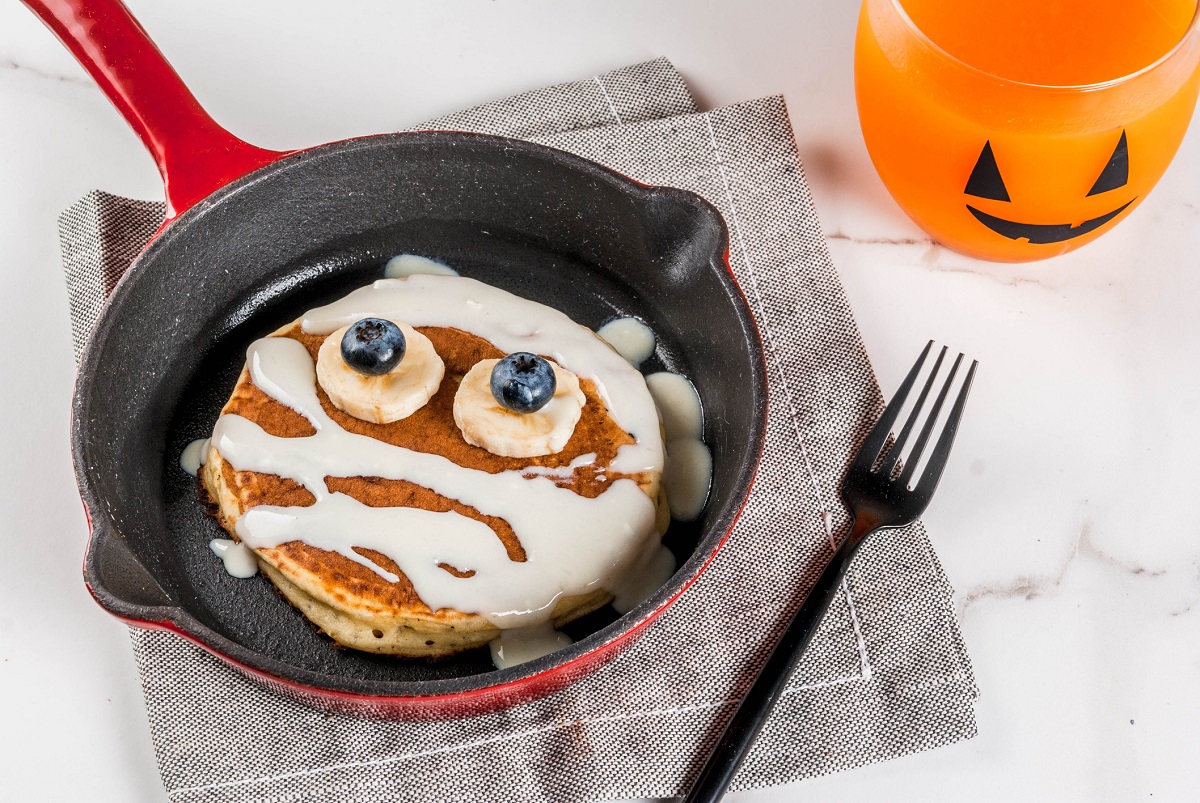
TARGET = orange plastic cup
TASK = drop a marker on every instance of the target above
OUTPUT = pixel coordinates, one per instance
(1016, 136)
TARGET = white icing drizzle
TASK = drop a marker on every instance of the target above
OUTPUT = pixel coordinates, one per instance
(688, 475)
(512, 324)
(560, 471)
(238, 559)
(193, 455)
(687, 478)
(652, 571)
(678, 403)
(400, 267)
(573, 544)
(523, 644)
(632, 339)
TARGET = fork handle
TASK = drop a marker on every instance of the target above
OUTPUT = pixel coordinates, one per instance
(768, 686)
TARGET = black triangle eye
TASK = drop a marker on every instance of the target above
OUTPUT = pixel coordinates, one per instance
(1116, 172)
(985, 180)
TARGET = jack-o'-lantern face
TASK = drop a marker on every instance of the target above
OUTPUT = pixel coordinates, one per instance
(986, 182)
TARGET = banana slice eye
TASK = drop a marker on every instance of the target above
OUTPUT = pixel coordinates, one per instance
(487, 423)
(388, 397)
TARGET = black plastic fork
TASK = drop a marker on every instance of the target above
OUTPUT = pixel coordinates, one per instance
(881, 492)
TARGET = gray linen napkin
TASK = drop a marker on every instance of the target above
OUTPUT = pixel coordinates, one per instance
(887, 674)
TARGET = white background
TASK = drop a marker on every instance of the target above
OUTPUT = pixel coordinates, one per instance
(1065, 518)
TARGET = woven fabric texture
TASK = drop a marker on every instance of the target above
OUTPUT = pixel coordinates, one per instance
(887, 674)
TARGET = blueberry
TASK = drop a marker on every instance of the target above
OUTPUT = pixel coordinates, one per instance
(373, 346)
(523, 382)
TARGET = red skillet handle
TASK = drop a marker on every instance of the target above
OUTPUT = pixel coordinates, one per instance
(195, 155)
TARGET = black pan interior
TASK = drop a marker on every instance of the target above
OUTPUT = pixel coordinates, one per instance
(531, 220)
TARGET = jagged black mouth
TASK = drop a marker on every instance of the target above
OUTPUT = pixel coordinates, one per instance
(1041, 233)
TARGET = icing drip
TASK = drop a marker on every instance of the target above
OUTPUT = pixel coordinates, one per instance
(652, 571)
(679, 404)
(238, 559)
(632, 339)
(405, 265)
(526, 644)
(573, 544)
(688, 475)
(687, 478)
(193, 456)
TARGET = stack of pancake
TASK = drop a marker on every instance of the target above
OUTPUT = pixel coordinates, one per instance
(356, 606)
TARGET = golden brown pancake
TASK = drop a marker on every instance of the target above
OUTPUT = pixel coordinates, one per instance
(351, 603)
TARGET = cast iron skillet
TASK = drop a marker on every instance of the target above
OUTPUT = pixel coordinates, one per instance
(253, 238)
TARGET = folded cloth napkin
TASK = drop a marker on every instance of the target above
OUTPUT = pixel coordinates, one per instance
(887, 674)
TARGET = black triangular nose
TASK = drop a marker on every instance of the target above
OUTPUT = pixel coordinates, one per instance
(985, 180)
(1116, 172)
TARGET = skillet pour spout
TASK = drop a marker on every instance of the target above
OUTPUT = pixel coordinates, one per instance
(274, 235)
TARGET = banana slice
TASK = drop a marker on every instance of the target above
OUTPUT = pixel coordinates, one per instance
(381, 399)
(484, 422)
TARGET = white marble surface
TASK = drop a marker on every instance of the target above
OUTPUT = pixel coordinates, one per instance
(1078, 580)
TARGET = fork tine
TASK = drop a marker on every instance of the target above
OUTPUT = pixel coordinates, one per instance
(898, 445)
(941, 450)
(923, 438)
(877, 437)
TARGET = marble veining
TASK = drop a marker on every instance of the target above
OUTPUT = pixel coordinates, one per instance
(13, 66)
(935, 256)
(841, 235)
(1029, 587)
(933, 259)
